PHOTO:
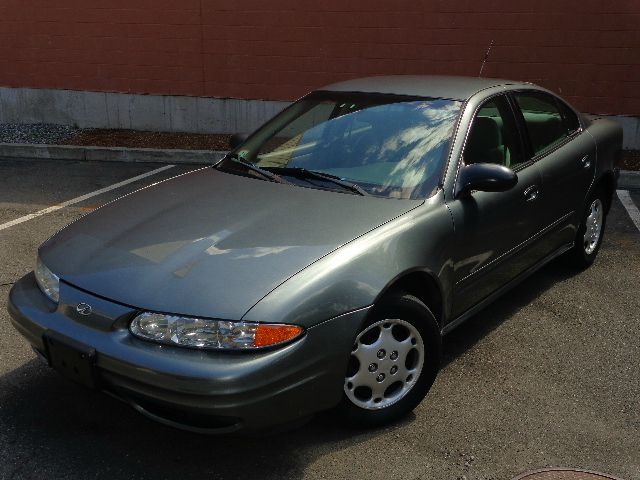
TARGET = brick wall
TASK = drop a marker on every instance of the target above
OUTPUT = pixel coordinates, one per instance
(587, 50)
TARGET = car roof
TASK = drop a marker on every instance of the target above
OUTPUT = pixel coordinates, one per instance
(433, 86)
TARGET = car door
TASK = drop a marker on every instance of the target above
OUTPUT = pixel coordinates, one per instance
(493, 229)
(566, 158)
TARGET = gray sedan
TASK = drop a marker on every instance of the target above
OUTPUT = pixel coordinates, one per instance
(319, 264)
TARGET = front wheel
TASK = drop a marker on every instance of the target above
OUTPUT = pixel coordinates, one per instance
(394, 360)
(590, 233)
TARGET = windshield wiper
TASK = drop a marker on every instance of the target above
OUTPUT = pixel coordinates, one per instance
(304, 173)
(234, 157)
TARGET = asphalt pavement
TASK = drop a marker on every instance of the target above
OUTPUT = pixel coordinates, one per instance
(547, 376)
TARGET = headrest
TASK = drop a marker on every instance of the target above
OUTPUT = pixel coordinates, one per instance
(485, 135)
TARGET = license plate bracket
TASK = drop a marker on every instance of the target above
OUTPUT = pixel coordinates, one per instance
(71, 358)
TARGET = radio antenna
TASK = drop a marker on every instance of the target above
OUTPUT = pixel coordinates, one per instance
(486, 57)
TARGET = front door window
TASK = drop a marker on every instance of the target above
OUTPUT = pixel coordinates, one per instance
(494, 137)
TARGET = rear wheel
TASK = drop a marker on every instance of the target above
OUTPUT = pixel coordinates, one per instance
(394, 360)
(589, 235)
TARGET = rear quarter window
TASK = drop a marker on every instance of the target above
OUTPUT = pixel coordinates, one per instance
(571, 122)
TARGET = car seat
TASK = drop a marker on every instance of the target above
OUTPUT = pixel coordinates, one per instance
(485, 144)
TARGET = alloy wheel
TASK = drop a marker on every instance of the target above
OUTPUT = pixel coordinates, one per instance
(593, 226)
(386, 362)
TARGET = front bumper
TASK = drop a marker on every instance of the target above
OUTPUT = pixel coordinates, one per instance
(213, 392)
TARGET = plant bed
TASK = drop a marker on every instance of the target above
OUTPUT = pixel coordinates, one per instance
(141, 139)
(630, 160)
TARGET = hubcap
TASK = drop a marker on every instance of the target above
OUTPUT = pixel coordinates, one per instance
(593, 225)
(396, 372)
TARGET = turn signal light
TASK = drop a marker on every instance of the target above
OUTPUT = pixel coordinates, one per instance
(270, 334)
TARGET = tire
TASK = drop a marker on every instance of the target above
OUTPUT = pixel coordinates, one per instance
(591, 231)
(395, 360)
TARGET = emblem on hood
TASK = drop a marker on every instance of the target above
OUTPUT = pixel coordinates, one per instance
(84, 309)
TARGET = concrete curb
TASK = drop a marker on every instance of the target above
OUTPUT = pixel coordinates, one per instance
(629, 180)
(25, 151)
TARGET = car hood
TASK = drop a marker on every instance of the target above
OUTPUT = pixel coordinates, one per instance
(208, 243)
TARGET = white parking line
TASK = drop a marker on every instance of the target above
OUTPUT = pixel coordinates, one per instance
(631, 208)
(82, 198)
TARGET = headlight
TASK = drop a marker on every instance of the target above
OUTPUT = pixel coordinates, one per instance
(48, 281)
(210, 334)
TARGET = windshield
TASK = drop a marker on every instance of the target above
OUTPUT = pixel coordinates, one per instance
(383, 145)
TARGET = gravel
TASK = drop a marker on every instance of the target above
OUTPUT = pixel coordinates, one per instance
(51, 134)
(43, 133)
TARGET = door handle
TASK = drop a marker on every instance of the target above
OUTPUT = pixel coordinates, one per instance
(531, 193)
(585, 161)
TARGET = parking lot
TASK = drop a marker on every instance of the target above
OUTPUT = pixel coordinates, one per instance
(547, 376)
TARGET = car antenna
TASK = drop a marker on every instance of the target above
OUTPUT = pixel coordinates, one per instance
(486, 57)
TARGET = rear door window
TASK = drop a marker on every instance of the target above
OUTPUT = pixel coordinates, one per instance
(545, 124)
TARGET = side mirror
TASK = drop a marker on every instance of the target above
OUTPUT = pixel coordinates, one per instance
(485, 177)
(237, 139)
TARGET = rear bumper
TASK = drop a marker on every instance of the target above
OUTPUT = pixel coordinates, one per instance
(213, 392)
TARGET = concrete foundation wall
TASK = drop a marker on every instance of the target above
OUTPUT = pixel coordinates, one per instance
(631, 129)
(165, 113)
(140, 112)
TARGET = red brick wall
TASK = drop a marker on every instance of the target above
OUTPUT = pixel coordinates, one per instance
(587, 50)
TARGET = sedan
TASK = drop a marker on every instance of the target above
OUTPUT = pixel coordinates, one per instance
(319, 264)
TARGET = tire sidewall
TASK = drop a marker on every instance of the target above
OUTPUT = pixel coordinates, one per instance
(586, 259)
(412, 310)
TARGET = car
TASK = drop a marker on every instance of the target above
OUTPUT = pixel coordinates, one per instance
(319, 264)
